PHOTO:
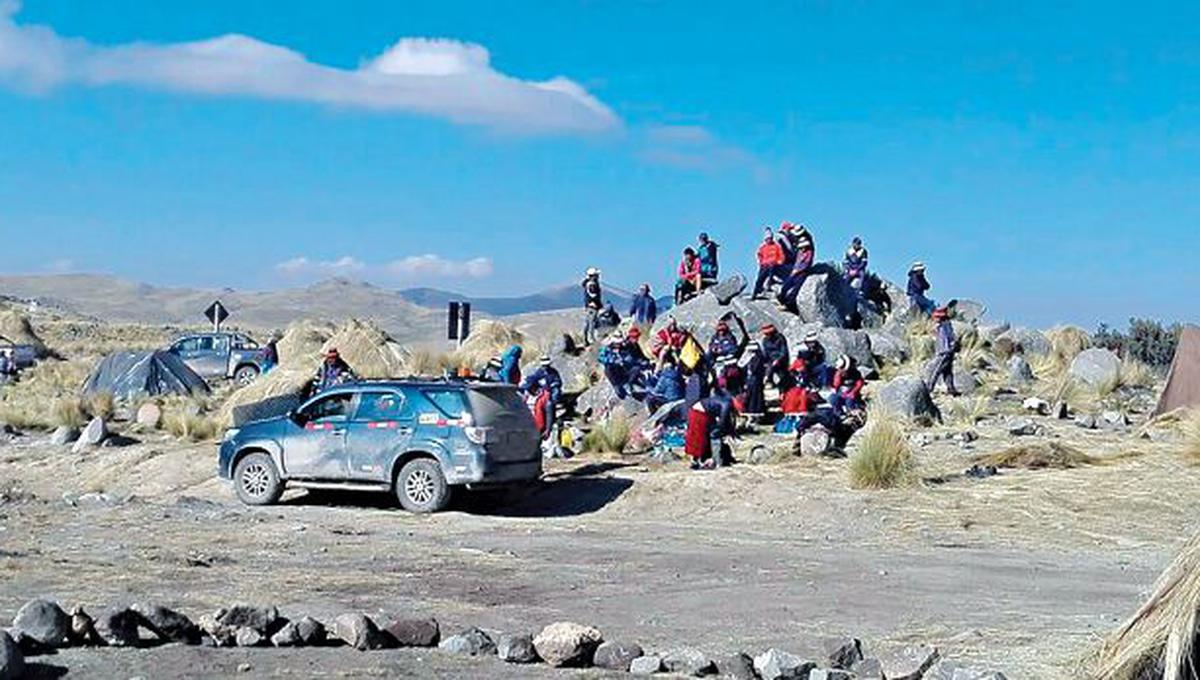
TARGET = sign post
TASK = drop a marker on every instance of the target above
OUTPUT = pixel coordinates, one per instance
(216, 314)
(458, 322)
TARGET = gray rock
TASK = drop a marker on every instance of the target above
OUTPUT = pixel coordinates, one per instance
(617, 656)
(842, 653)
(970, 311)
(567, 644)
(12, 661)
(737, 666)
(262, 619)
(1031, 342)
(307, 632)
(838, 341)
(990, 332)
(149, 415)
(1096, 367)
(690, 662)
(63, 435)
(359, 631)
(826, 298)
(216, 634)
(1087, 422)
(729, 289)
(44, 622)
(599, 402)
(908, 398)
(121, 626)
(1114, 419)
(1019, 371)
(1024, 428)
(775, 664)
(1036, 405)
(646, 665)
(700, 314)
(950, 670)
(888, 347)
(415, 632)
(248, 637)
(83, 628)
(1060, 410)
(93, 434)
(472, 642)
(516, 648)
(170, 624)
(868, 669)
(816, 441)
(831, 674)
(910, 663)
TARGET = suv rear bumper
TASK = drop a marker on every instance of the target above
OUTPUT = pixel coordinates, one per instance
(487, 473)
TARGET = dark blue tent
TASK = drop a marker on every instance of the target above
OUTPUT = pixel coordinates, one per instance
(130, 375)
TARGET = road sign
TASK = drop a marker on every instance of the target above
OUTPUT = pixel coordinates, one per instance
(216, 314)
(458, 321)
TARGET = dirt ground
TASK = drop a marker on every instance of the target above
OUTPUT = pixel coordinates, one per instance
(1022, 572)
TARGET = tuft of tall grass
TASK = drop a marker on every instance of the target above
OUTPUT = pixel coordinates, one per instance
(1191, 436)
(70, 412)
(609, 436)
(883, 459)
(193, 426)
(1066, 342)
(101, 405)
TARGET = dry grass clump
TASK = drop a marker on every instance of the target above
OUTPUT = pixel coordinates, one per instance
(969, 410)
(70, 412)
(1190, 428)
(16, 328)
(1066, 342)
(1038, 456)
(369, 350)
(301, 343)
(186, 419)
(919, 335)
(32, 401)
(101, 405)
(488, 339)
(429, 363)
(883, 458)
(1159, 640)
(609, 436)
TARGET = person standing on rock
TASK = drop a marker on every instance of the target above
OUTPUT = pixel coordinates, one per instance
(797, 276)
(918, 286)
(593, 303)
(690, 280)
(854, 266)
(710, 270)
(946, 350)
(848, 385)
(642, 307)
(770, 261)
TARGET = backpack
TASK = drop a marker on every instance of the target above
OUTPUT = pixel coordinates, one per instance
(691, 354)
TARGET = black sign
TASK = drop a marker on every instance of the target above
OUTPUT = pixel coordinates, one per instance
(458, 321)
(464, 314)
(216, 314)
(452, 322)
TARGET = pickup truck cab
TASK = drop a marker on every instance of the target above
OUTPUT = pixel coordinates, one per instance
(417, 439)
(220, 355)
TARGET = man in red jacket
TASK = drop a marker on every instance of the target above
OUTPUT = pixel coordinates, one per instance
(770, 259)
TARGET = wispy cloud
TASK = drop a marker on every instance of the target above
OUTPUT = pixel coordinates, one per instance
(441, 78)
(694, 147)
(413, 269)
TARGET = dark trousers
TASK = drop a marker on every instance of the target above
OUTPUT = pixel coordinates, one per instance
(791, 288)
(943, 369)
(618, 377)
(684, 291)
(766, 274)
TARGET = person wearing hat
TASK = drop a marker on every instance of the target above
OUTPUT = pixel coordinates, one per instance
(690, 279)
(854, 266)
(491, 372)
(510, 365)
(725, 344)
(668, 384)
(544, 385)
(332, 372)
(810, 363)
(918, 286)
(798, 275)
(624, 362)
(946, 348)
(848, 385)
(593, 303)
(777, 357)
(752, 365)
(710, 271)
(643, 309)
(770, 261)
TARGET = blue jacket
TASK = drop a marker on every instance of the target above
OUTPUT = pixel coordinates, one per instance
(669, 386)
(775, 349)
(946, 342)
(724, 345)
(544, 378)
(917, 283)
(510, 365)
(643, 309)
(855, 260)
(708, 259)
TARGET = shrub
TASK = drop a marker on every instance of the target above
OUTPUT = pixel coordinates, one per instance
(1191, 436)
(69, 412)
(100, 405)
(1066, 342)
(883, 459)
(197, 428)
(1146, 340)
(610, 436)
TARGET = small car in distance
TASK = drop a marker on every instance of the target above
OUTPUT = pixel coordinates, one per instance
(417, 439)
(221, 355)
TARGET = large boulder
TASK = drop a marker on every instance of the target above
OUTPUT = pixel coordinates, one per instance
(1096, 367)
(700, 314)
(359, 631)
(12, 661)
(170, 624)
(471, 642)
(971, 311)
(415, 632)
(826, 298)
(1028, 341)
(774, 664)
(565, 644)
(906, 397)
(516, 648)
(307, 632)
(44, 622)
(838, 341)
(617, 656)
(121, 626)
(1019, 371)
(600, 402)
(689, 662)
(910, 663)
(888, 347)
(262, 619)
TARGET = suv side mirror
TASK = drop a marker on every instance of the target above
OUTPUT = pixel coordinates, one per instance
(297, 417)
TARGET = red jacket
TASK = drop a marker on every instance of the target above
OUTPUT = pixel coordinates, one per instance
(690, 272)
(770, 254)
(665, 338)
(849, 383)
(795, 401)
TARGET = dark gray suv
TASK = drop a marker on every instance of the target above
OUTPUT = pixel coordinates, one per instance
(415, 438)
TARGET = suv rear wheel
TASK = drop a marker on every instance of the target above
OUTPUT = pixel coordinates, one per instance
(256, 481)
(245, 375)
(421, 486)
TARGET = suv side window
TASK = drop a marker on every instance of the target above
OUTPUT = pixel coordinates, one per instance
(186, 345)
(334, 408)
(450, 402)
(203, 343)
(376, 406)
(220, 344)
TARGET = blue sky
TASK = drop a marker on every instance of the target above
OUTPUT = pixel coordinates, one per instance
(1045, 159)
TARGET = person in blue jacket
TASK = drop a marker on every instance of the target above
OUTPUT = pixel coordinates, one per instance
(545, 379)
(918, 286)
(710, 271)
(946, 348)
(510, 365)
(669, 386)
(642, 308)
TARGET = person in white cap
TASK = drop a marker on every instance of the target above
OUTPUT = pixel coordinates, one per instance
(593, 303)
(545, 386)
(918, 285)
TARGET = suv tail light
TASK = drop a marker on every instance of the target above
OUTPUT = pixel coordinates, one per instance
(477, 435)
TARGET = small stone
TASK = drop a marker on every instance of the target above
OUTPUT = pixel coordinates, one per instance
(63, 435)
(359, 631)
(567, 644)
(249, 637)
(1114, 419)
(775, 664)
(1087, 422)
(1024, 428)
(12, 660)
(815, 441)
(121, 627)
(911, 663)
(262, 619)
(149, 415)
(244, 667)
(737, 666)
(44, 622)
(1060, 410)
(688, 661)
(842, 653)
(1036, 405)
(216, 632)
(170, 624)
(646, 665)
(93, 434)
(967, 436)
(415, 632)
(83, 628)
(472, 642)
(516, 648)
(617, 656)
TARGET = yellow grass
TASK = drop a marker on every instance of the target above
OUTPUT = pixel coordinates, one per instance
(1037, 456)
(1066, 342)
(1190, 428)
(883, 458)
(609, 436)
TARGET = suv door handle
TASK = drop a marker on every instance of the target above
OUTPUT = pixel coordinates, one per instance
(338, 433)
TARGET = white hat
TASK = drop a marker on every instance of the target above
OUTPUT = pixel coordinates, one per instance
(811, 336)
(918, 266)
(843, 362)
(592, 271)
(545, 360)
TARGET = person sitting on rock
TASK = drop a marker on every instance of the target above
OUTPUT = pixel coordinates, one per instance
(545, 386)
(690, 281)
(643, 309)
(624, 362)
(332, 372)
(800, 270)
(668, 386)
(918, 286)
(510, 365)
(669, 337)
(770, 262)
(854, 266)
(946, 348)
(848, 385)
(491, 372)
(725, 344)
(710, 270)
(810, 361)
(778, 358)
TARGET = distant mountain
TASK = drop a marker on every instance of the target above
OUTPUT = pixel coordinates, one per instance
(569, 296)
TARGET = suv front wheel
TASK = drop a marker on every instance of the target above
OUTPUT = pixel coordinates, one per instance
(421, 486)
(256, 481)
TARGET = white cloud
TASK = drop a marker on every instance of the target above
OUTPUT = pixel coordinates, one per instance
(412, 269)
(692, 147)
(434, 77)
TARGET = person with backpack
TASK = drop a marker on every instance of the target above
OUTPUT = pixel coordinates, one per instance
(770, 260)
(917, 288)
(800, 270)
(593, 303)
(946, 349)
(710, 270)
(690, 280)
(854, 266)
(848, 385)
(643, 309)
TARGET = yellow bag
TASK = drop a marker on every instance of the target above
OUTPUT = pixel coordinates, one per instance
(691, 354)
